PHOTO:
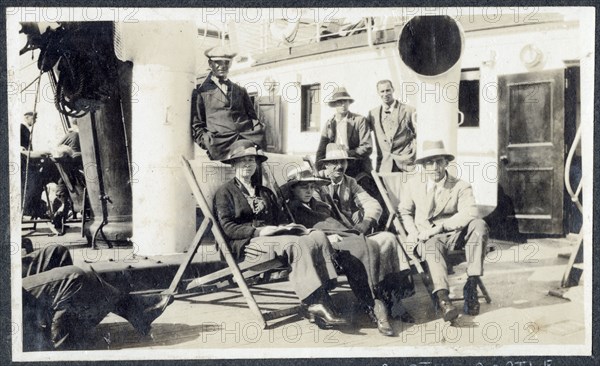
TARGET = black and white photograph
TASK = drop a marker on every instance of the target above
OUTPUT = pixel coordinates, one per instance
(301, 183)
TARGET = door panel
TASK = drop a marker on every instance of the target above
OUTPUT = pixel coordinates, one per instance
(531, 137)
(268, 110)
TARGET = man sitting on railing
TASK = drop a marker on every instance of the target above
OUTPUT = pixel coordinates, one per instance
(223, 111)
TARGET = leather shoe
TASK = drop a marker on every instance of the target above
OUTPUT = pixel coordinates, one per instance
(381, 315)
(471, 305)
(449, 311)
(323, 316)
(143, 310)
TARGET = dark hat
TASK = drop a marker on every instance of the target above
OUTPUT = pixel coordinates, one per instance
(220, 53)
(433, 149)
(335, 152)
(340, 93)
(30, 114)
(242, 148)
(301, 174)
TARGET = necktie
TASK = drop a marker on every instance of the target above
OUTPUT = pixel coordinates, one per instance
(388, 125)
(336, 196)
(431, 200)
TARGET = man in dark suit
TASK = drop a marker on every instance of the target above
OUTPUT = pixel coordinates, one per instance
(395, 135)
(62, 301)
(28, 121)
(223, 112)
(439, 213)
(349, 130)
(32, 166)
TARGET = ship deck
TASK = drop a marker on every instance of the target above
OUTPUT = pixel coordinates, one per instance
(518, 277)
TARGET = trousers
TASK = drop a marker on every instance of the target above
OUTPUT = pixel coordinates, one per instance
(61, 301)
(309, 257)
(473, 239)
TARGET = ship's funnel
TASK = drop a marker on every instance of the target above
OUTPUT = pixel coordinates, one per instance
(430, 49)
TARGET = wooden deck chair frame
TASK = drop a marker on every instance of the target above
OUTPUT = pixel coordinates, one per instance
(415, 261)
(239, 271)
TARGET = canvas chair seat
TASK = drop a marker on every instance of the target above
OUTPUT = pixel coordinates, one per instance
(390, 186)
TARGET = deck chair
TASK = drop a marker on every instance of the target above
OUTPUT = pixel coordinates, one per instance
(204, 178)
(390, 186)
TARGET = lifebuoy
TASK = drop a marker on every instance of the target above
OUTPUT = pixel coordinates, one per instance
(284, 30)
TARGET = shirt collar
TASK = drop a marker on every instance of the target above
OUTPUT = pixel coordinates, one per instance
(391, 107)
(216, 80)
(439, 184)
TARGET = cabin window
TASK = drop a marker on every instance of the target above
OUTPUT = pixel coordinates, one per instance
(468, 98)
(311, 108)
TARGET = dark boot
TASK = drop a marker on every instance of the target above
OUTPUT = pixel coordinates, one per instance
(449, 311)
(380, 312)
(471, 305)
(318, 308)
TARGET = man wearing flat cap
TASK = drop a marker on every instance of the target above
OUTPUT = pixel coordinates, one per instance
(439, 214)
(349, 130)
(222, 110)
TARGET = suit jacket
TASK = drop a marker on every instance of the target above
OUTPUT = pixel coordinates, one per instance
(25, 135)
(454, 206)
(402, 145)
(236, 217)
(359, 143)
(318, 216)
(355, 203)
(219, 119)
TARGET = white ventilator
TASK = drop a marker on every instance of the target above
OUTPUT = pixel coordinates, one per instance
(430, 49)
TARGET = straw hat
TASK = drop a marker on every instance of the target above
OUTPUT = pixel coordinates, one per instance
(335, 152)
(433, 149)
(302, 174)
(242, 148)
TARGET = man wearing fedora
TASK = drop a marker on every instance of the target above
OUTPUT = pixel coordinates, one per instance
(395, 136)
(349, 130)
(439, 213)
(354, 207)
(223, 111)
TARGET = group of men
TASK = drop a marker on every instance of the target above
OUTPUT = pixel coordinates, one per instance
(437, 209)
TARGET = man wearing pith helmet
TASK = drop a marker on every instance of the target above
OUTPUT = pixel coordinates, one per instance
(349, 130)
(439, 214)
(223, 111)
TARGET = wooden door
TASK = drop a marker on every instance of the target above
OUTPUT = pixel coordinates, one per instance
(268, 110)
(532, 149)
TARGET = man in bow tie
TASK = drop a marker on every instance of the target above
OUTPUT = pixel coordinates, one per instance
(439, 214)
(223, 111)
(395, 135)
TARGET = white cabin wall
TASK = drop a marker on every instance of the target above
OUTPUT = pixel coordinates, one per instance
(359, 69)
